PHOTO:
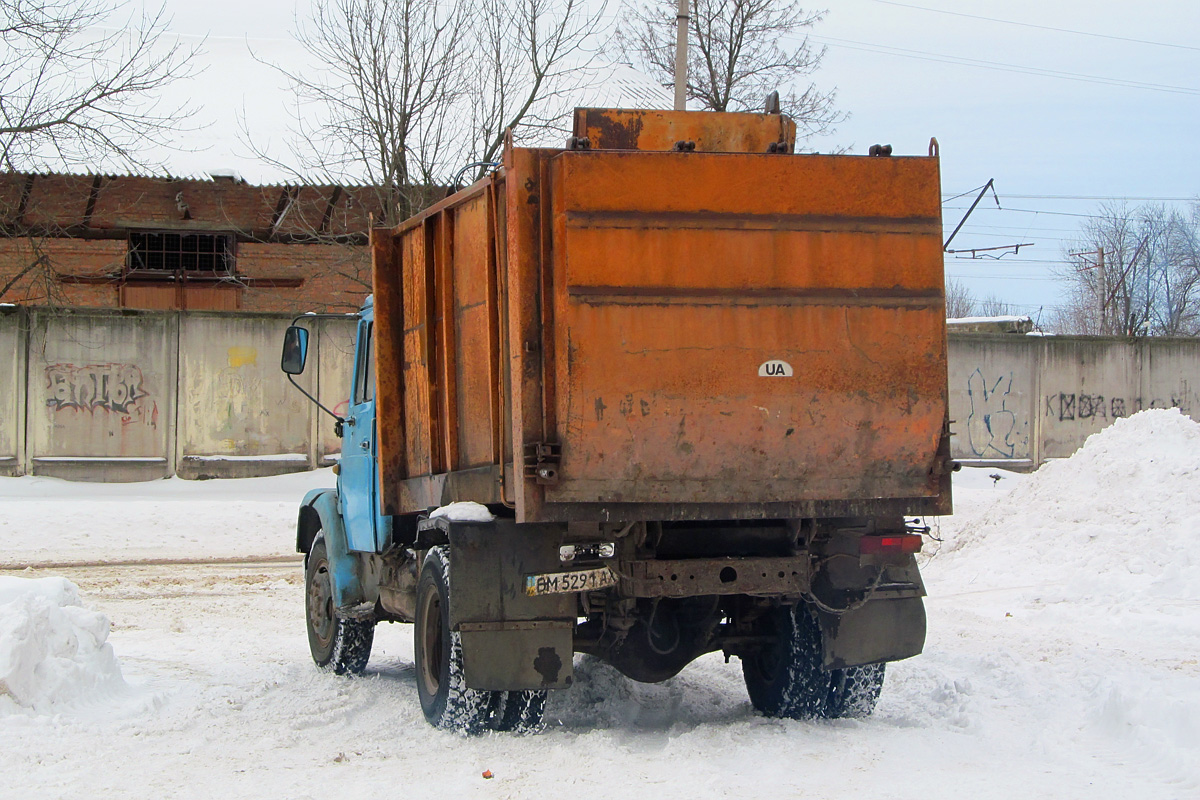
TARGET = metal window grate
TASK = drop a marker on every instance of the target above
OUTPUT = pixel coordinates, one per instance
(180, 252)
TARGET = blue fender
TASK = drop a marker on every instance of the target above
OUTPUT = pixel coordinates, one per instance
(346, 567)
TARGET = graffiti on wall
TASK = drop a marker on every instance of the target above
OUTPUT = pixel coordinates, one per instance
(992, 426)
(110, 388)
(1068, 406)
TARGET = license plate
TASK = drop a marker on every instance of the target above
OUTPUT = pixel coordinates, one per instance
(584, 580)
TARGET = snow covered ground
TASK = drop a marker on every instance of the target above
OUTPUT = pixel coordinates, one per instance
(1064, 630)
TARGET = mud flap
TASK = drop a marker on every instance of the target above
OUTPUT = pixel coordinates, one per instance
(510, 641)
(881, 630)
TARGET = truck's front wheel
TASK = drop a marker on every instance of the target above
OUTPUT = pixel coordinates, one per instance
(786, 678)
(342, 645)
(441, 683)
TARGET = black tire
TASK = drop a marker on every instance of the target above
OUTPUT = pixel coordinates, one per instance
(519, 712)
(853, 691)
(338, 644)
(786, 679)
(441, 683)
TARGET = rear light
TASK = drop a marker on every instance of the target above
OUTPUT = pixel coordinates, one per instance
(893, 544)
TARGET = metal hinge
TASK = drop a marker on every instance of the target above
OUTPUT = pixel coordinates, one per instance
(541, 462)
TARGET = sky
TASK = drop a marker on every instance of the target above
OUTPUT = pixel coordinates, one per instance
(1066, 105)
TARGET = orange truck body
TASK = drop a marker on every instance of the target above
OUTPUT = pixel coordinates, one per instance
(680, 319)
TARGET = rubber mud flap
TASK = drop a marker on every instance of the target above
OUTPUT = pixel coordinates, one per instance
(518, 659)
(881, 630)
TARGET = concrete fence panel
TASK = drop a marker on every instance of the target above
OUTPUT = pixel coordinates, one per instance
(993, 399)
(1086, 384)
(1170, 375)
(238, 414)
(12, 390)
(100, 394)
(335, 369)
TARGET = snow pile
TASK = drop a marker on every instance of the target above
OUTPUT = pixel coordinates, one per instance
(464, 511)
(53, 651)
(1120, 519)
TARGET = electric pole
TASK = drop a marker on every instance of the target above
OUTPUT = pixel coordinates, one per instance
(681, 47)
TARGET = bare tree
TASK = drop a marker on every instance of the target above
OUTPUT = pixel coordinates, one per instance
(74, 94)
(71, 93)
(993, 306)
(960, 302)
(374, 107)
(1134, 272)
(528, 58)
(407, 92)
(735, 55)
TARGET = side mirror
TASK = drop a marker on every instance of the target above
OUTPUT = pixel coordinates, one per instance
(295, 350)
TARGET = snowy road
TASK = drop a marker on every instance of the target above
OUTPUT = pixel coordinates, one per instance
(1047, 679)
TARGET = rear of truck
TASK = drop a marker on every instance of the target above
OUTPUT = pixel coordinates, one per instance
(701, 382)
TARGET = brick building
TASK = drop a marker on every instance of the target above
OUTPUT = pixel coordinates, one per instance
(164, 243)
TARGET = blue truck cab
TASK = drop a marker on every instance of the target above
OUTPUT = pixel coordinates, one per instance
(347, 517)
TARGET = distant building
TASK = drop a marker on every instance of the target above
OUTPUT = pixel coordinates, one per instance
(122, 241)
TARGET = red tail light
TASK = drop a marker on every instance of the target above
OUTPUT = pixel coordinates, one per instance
(893, 544)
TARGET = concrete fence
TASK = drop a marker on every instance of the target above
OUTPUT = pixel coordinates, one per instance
(1019, 400)
(122, 396)
(117, 395)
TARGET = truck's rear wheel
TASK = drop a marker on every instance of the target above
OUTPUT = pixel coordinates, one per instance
(441, 683)
(786, 679)
(519, 712)
(342, 645)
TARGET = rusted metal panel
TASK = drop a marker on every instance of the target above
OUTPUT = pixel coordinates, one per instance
(474, 301)
(445, 351)
(828, 265)
(679, 335)
(525, 196)
(708, 131)
(389, 365)
(416, 368)
(697, 576)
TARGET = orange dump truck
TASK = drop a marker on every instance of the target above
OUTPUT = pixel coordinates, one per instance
(699, 383)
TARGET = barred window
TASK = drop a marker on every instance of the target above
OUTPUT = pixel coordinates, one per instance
(180, 252)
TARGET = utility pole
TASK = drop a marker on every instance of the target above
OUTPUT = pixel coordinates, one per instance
(1101, 285)
(681, 47)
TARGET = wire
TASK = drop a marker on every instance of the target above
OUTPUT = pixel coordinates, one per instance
(924, 55)
(964, 194)
(1008, 277)
(1039, 27)
(1034, 211)
(1097, 197)
(1013, 260)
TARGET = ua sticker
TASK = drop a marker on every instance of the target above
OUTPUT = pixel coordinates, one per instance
(775, 369)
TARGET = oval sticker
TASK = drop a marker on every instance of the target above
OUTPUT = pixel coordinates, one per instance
(775, 369)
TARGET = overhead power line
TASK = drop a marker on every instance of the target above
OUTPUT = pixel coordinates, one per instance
(924, 55)
(1146, 199)
(1036, 211)
(1039, 27)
